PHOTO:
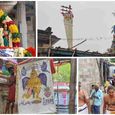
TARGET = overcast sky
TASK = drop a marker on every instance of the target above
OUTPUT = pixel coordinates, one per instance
(92, 20)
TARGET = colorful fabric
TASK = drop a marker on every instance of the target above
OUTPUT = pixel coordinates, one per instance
(6, 42)
(5, 19)
(35, 88)
(52, 66)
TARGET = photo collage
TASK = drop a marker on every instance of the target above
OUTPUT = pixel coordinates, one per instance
(57, 57)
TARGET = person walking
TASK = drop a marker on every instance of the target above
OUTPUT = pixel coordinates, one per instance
(109, 101)
(97, 99)
(84, 105)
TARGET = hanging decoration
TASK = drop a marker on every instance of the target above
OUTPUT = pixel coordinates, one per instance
(35, 88)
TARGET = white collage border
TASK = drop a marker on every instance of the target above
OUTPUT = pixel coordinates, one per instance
(37, 22)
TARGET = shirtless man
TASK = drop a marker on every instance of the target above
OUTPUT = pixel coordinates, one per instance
(109, 101)
(84, 105)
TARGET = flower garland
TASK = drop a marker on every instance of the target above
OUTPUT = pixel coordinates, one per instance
(4, 18)
(30, 52)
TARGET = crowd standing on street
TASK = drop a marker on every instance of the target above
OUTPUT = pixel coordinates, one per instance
(97, 99)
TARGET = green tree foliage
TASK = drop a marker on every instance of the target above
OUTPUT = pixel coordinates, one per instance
(62, 73)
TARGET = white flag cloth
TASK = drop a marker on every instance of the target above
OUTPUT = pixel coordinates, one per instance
(68, 22)
(35, 88)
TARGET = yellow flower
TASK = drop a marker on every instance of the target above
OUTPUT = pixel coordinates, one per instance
(16, 40)
(13, 28)
(10, 28)
(1, 13)
(25, 51)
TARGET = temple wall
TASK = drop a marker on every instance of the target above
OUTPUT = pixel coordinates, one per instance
(88, 72)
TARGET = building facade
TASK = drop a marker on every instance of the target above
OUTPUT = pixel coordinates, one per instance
(46, 41)
(88, 73)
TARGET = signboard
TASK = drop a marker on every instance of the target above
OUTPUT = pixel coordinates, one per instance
(35, 88)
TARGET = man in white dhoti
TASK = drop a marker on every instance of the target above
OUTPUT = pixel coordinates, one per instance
(84, 104)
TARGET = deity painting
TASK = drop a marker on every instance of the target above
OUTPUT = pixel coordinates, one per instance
(32, 85)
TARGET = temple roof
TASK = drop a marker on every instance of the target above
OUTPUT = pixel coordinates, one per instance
(44, 37)
(69, 52)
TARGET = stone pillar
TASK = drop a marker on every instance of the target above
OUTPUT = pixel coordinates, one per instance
(21, 20)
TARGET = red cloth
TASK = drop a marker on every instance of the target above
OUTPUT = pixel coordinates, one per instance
(11, 91)
(52, 66)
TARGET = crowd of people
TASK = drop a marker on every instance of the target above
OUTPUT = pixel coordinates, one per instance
(98, 101)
